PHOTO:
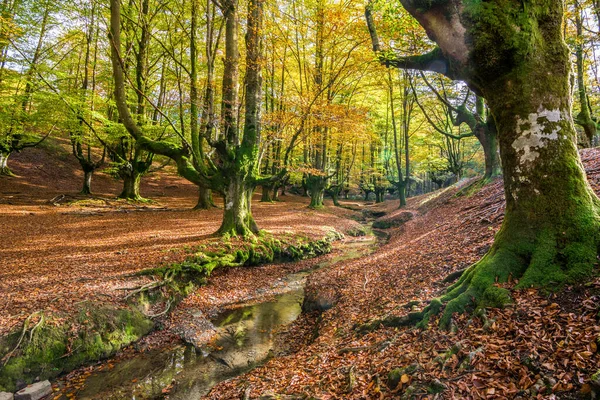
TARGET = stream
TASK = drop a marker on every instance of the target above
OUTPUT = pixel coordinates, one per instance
(246, 338)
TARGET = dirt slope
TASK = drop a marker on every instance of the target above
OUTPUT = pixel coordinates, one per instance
(543, 346)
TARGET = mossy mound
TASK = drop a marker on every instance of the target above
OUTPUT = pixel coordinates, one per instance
(196, 269)
(47, 348)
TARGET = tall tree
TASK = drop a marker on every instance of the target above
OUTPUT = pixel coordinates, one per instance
(233, 171)
(513, 54)
(584, 117)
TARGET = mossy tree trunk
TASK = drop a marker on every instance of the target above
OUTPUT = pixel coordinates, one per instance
(316, 185)
(401, 187)
(484, 128)
(131, 187)
(379, 194)
(491, 153)
(239, 174)
(237, 214)
(584, 117)
(132, 168)
(266, 193)
(205, 200)
(515, 56)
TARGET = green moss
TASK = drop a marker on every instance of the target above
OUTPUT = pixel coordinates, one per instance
(262, 249)
(51, 349)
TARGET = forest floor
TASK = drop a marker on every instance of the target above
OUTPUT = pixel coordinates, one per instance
(56, 255)
(545, 345)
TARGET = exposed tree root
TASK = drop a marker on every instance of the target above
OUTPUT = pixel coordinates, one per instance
(23, 333)
(548, 258)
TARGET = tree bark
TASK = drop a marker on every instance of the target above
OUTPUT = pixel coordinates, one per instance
(4, 169)
(316, 186)
(266, 194)
(131, 187)
(205, 199)
(237, 216)
(584, 117)
(87, 182)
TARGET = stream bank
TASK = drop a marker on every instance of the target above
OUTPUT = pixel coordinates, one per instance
(53, 342)
(227, 344)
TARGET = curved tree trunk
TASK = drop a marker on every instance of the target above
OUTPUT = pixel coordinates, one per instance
(584, 117)
(514, 55)
(4, 169)
(491, 151)
(550, 233)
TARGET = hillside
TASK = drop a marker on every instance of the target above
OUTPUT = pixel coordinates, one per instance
(543, 346)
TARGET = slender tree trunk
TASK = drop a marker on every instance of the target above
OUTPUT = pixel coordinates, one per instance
(489, 143)
(401, 183)
(4, 169)
(87, 182)
(36, 59)
(584, 118)
(198, 148)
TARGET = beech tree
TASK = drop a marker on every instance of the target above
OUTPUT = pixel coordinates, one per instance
(233, 172)
(514, 55)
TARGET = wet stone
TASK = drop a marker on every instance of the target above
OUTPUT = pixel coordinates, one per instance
(35, 391)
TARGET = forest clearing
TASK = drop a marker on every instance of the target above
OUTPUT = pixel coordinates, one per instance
(301, 199)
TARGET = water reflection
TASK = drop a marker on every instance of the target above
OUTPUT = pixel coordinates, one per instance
(245, 339)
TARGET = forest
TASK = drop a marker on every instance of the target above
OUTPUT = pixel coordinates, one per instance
(299, 199)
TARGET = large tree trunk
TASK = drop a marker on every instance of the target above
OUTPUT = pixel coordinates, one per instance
(514, 54)
(551, 229)
(131, 187)
(550, 233)
(237, 216)
(316, 186)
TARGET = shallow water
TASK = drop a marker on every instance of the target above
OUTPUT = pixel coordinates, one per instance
(245, 338)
